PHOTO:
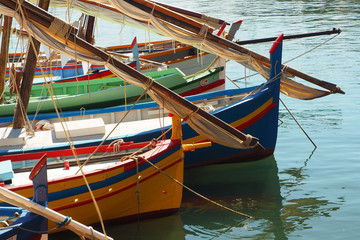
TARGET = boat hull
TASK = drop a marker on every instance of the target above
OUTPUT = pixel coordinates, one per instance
(115, 188)
(73, 96)
(257, 116)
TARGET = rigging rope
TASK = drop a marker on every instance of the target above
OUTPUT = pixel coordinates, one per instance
(67, 136)
(296, 57)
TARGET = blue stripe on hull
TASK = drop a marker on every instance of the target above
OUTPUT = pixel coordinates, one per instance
(265, 129)
(107, 182)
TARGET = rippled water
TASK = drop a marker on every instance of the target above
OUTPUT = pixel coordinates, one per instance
(300, 192)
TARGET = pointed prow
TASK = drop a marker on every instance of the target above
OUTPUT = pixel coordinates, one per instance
(275, 59)
(38, 175)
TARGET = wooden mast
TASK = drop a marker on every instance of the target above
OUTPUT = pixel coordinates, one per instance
(29, 73)
(89, 33)
(176, 19)
(5, 40)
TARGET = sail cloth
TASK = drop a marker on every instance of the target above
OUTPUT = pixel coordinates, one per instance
(102, 9)
(290, 88)
(121, 12)
(106, 12)
(59, 36)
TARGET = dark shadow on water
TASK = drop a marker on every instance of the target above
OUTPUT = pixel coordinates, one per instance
(253, 188)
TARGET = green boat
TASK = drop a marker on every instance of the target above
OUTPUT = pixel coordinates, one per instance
(109, 92)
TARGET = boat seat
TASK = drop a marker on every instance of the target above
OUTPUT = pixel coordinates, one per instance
(6, 171)
(12, 137)
(79, 128)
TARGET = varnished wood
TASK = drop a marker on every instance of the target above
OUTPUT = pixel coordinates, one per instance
(5, 40)
(28, 76)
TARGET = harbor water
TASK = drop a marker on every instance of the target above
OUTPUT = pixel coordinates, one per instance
(301, 192)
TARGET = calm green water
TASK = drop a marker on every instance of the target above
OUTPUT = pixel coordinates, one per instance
(299, 193)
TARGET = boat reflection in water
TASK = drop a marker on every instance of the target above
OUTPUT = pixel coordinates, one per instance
(253, 188)
(275, 199)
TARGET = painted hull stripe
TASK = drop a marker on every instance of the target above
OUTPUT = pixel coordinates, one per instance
(118, 191)
(102, 184)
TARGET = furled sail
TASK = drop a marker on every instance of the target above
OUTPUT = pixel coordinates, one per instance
(148, 11)
(57, 34)
(102, 9)
(131, 13)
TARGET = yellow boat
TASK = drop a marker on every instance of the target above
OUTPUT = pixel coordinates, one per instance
(123, 188)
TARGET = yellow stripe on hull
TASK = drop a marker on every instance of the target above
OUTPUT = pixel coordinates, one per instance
(236, 123)
(157, 192)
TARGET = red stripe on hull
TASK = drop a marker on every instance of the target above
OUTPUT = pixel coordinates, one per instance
(256, 118)
(203, 88)
(116, 192)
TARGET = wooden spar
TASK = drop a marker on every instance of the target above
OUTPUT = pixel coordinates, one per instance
(168, 15)
(28, 77)
(71, 224)
(216, 21)
(158, 87)
(295, 36)
(5, 40)
(89, 35)
(72, 38)
(31, 9)
(148, 7)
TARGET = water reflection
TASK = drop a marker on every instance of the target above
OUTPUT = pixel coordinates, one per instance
(255, 189)
(300, 207)
(279, 206)
(252, 188)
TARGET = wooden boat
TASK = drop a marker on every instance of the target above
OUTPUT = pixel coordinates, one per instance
(110, 91)
(256, 115)
(15, 219)
(252, 110)
(54, 69)
(202, 122)
(29, 219)
(153, 55)
(124, 188)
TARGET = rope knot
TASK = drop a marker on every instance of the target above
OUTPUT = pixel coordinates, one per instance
(203, 31)
(153, 143)
(59, 28)
(117, 144)
(149, 83)
(247, 142)
(66, 221)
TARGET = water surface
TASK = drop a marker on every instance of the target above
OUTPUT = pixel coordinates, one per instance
(300, 192)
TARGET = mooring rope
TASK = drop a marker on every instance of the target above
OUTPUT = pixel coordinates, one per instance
(196, 193)
(297, 122)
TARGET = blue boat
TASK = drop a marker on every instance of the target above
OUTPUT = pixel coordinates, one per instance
(23, 224)
(255, 114)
